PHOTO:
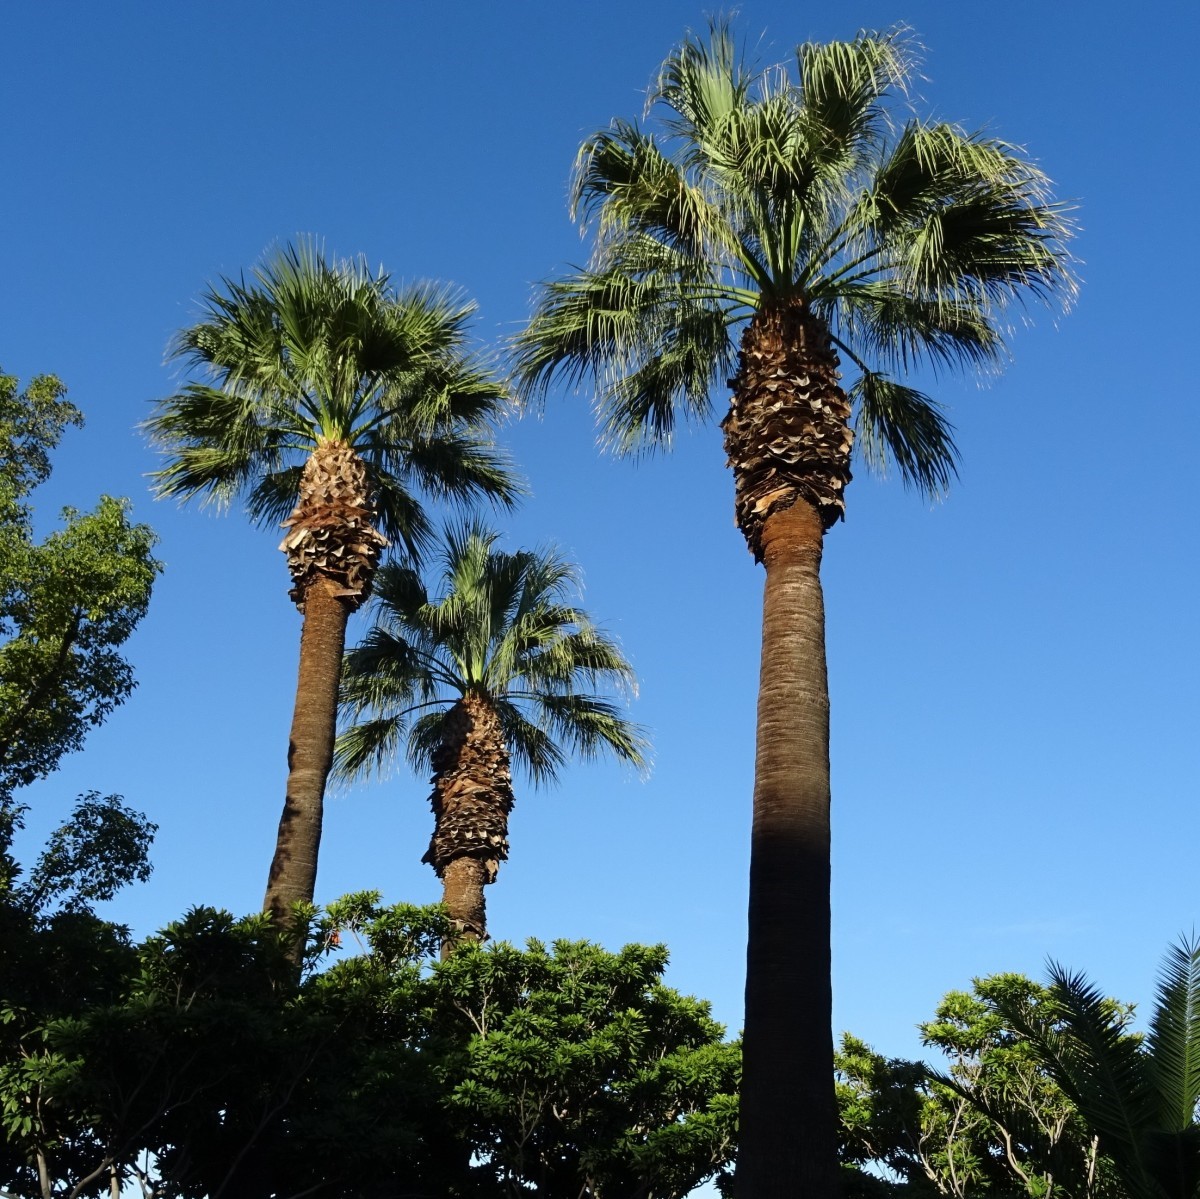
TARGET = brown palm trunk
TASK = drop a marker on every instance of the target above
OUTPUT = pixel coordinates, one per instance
(787, 1145)
(293, 876)
(332, 552)
(472, 797)
(788, 440)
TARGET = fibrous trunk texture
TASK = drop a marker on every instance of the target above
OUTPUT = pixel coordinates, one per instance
(332, 552)
(472, 797)
(787, 1144)
(788, 441)
(787, 433)
(330, 534)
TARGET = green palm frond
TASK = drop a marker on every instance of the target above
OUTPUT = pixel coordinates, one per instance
(900, 331)
(703, 83)
(369, 747)
(899, 425)
(502, 626)
(308, 350)
(1174, 1038)
(1084, 1044)
(843, 86)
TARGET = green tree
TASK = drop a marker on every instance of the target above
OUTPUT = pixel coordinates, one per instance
(993, 1123)
(586, 1076)
(499, 665)
(1137, 1095)
(327, 392)
(807, 212)
(67, 604)
(59, 961)
(198, 1065)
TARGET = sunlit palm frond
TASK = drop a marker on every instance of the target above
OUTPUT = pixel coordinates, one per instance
(843, 86)
(900, 331)
(702, 83)
(623, 178)
(308, 350)
(369, 747)
(589, 725)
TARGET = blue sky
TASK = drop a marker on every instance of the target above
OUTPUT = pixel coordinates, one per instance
(1013, 672)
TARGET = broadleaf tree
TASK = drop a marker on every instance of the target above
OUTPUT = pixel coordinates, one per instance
(68, 603)
(766, 227)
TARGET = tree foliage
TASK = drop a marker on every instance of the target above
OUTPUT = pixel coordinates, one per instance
(67, 604)
(196, 1065)
(993, 1122)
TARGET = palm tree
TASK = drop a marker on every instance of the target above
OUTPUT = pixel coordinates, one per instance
(1137, 1096)
(328, 393)
(776, 225)
(499, 666)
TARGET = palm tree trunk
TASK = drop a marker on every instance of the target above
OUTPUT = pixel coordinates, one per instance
(332, 550)
(787, 1144)
(293, 874)
(472, 797)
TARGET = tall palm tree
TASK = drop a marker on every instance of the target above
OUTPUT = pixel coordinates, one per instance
(1138, 1096)
(776, 225)
(327, 393)
(499, 666)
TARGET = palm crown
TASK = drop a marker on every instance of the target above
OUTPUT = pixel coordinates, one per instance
(501, 629)
(905, 239)
(311, 352)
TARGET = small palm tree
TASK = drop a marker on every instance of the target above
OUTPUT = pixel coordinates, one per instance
(333, 400)
(1138, 1096)
(774, 226)
(499, 666)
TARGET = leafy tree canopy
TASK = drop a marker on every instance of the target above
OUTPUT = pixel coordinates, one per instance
(204, 1069)
(68, 603)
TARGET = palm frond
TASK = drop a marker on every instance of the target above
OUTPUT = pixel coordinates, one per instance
(702, 83)
(1174, 1038)
(899, 425)
(368, 747)
(843, 86)
(500, 626)
(902, 331)
(1083, 1043)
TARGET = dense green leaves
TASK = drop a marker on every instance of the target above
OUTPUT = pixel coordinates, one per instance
(204, 1069)
(67, 604)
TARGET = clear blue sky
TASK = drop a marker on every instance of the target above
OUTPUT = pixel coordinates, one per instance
(1014, 672)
